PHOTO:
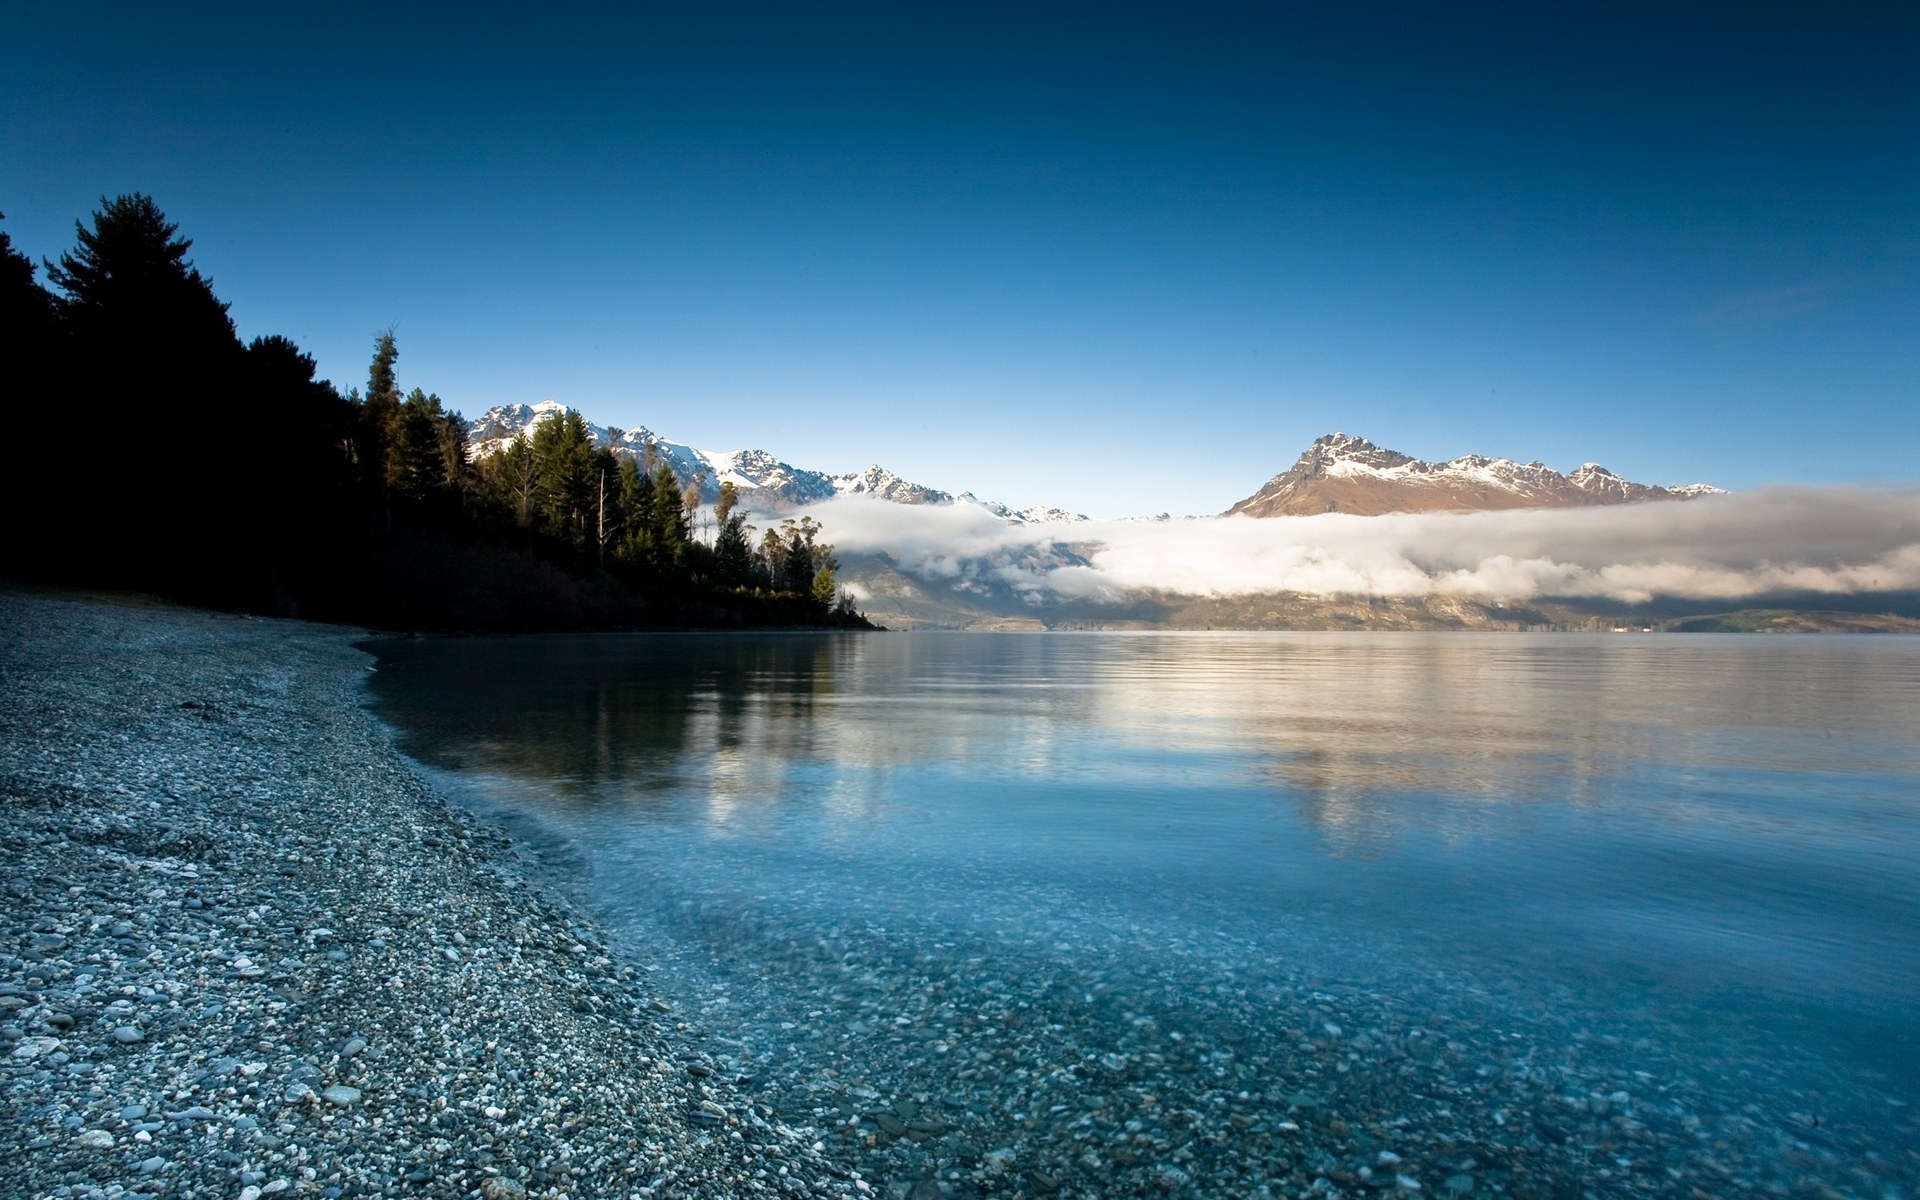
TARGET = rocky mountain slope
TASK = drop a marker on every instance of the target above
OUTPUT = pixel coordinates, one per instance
(1339, 473)
(766, 483)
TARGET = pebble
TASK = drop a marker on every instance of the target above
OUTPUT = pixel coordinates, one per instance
(252, 892)
(34, 1047)
(128, 1035)
(539, 1069)
(341, 1094)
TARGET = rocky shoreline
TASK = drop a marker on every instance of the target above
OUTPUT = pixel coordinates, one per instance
(246, 951)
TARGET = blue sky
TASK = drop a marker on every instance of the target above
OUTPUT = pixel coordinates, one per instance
(1117, 258)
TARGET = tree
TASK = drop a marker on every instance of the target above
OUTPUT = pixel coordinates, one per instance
(563, 462)
(26, 308)
(33, 364)
(636, 502)
(309, 422)
(691, 496)
(380, 413)
(732, 538)
(517, 480)
(417, 458)
(826, 589)
(609, 517)
(668, 537)
(451, 438)
(773, 557)
(154, 350)
(129, 279)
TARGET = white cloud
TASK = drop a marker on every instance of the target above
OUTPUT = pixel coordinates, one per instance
(1833, 541)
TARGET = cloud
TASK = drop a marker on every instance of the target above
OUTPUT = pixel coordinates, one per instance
(1763, 307)
(1824, 541)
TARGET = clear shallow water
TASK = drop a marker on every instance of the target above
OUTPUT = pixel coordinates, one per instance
(1217, 914)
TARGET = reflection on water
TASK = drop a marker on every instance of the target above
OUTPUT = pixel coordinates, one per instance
(1365, 734)
(1705, 843)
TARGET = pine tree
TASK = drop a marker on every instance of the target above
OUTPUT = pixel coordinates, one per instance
(522, 479)
(670, 529)
(33, 363)
(145, 325)
(826, 588)
(732, 539)
(636, 502)
(380, 414)
(563, 462)
(26, 308)
(129, 279)
(417, 460)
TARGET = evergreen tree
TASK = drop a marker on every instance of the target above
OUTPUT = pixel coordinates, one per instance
(26, 308)
(451, 437)
(380, 414)
(311, 531)
(563, 462)
(635, 542)
(517, 480)
(33, 363)
(129, 280)
(732, 539)
(417, 459)
(670, 527)
(826, 589)
(147, 331)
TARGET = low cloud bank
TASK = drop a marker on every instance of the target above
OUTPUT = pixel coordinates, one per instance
(1829, 540)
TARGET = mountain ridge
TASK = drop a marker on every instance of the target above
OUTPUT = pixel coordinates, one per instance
(1343, 473)
(765, 481)
(1337, 473)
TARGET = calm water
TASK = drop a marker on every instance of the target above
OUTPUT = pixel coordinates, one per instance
(1226, 914)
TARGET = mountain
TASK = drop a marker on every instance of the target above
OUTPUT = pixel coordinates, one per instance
(1346, 474)
(766, 483)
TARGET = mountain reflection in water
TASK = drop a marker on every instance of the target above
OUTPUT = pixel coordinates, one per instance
(1705, 845)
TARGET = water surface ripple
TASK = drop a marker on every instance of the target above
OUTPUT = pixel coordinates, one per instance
(1248, 914)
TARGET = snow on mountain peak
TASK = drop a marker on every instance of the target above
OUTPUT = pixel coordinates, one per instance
(880, 482)
(764, 481)
(1342, 473)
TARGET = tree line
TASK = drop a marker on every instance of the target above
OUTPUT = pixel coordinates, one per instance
(175, 459)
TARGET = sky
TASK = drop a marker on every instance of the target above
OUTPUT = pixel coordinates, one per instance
(1120, 259)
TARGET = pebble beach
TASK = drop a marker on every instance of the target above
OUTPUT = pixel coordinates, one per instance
(246, 951)
(249, 949)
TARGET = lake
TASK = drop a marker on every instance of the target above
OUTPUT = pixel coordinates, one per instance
(1245, 914)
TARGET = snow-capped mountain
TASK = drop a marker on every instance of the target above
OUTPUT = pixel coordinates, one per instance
(1034, 515)
(1339, 473)
(766, 483)
(496, 428)
(884, 484)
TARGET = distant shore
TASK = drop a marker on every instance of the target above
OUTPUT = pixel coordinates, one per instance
(246, 951)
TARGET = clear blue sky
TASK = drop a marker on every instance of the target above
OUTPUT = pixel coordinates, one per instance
(1117, 258)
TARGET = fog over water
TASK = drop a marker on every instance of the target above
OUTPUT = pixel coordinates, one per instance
(1832, 541)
